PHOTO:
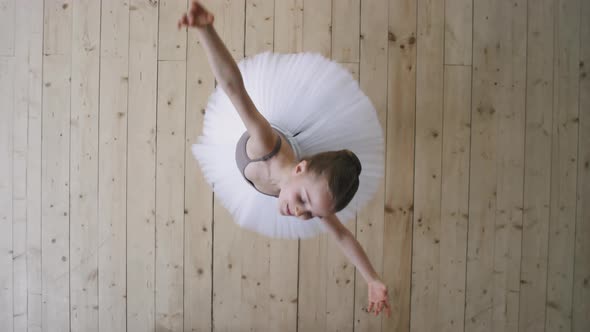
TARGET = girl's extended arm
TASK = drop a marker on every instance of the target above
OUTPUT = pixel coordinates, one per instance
(228, 75)
(377, 291)
(351, 248)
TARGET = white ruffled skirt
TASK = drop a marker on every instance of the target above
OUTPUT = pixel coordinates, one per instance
(319, 106)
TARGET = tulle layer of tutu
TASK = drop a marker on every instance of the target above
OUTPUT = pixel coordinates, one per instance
(315, 100)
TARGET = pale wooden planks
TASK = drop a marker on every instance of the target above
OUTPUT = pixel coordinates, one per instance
(23, 38)
(288, 26)
(532, 306)
(8, 27)
(198, 219)
(172, 42)
(427, 187)
(455, 164)
(259, 26)
(317, 27)
(6, 189)
(581, 296)
(84, 166)
(564, 166)
(537, 169)
(141, 165)
(55, 166)
(454, 202)
(458, 32)
(484, 155)
(372, 57)
(170, 195)
(509, 94)
(170, 133)
(399, 170)
(34, 11)
(345, 30)
(112, 179)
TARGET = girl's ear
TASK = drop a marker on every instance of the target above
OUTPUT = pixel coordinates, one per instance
(301, 167)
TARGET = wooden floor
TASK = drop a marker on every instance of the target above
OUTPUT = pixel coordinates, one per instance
(482, 224)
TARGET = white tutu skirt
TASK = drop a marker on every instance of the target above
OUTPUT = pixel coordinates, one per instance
(320, 106)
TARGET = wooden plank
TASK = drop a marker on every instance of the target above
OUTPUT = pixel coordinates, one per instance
(458, 32)
(6, 187)
(169, 266)
(455, 201)
(259, 26)
(19, 193)
(581, 300)
(317, 30)
(427, 187)
(455, 163)
(8, 27)
(227, 243)
(171, 42)
(314, 307)
(170, 195)
(564, 166)
(112, 189)
(141, 182)
(57, 34)
(345, 30)
(399, 154)
(484, 156)
(84, 167)
(510, 95)
(370, 221)
(55, 210)
(34, 12)
(537, 170)
(288, 26)
(198, 219)
(55, 166)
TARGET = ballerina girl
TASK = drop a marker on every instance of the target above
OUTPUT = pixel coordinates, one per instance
(293, 171)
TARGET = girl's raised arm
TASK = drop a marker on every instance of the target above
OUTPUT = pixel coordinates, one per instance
(228, 75)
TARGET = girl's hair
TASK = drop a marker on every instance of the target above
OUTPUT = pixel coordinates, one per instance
(341, 169)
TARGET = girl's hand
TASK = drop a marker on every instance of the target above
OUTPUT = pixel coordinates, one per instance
(197, 16)
(378, 297)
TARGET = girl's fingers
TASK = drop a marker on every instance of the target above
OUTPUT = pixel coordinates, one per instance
(370, 307)
(182, 21)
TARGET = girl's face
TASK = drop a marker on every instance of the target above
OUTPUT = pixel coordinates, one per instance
(305, 195)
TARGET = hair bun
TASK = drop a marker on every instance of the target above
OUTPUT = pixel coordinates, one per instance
(355, 161)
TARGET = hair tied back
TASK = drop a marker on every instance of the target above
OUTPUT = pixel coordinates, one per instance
(355, 161)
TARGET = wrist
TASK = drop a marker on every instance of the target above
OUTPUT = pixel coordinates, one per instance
(373, 278)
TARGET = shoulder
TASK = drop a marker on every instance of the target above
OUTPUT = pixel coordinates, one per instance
(257, 147)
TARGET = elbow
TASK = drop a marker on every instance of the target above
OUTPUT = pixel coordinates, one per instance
(232, 86)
